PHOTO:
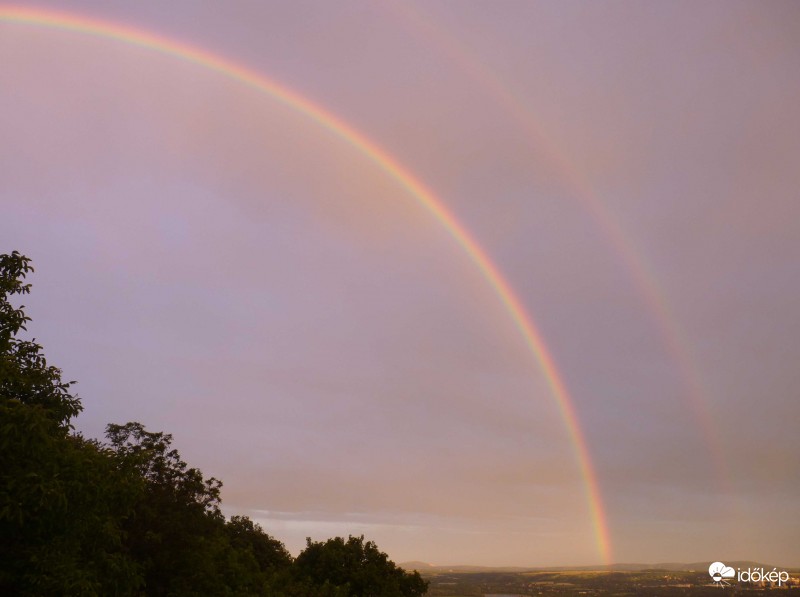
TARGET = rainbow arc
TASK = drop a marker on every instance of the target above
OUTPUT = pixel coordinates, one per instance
(393, 168)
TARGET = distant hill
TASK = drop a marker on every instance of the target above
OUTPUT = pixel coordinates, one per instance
(678, 567)
(465, 569)
(415, 566)
(424, 567)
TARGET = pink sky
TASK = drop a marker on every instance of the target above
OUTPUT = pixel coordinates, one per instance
(216, 265)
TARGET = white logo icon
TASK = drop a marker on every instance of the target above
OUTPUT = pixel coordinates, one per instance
(719, 572)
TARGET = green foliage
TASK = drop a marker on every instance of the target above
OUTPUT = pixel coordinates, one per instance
(62, 498)
(130, 517)
(357, 567)
(258, 563)
(177, 510)
(24, 373)
(245, 535)
(64, 536)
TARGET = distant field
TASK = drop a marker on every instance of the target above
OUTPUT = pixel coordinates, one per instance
(513, 583)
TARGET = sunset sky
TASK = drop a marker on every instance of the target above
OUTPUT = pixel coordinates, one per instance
(354, 294)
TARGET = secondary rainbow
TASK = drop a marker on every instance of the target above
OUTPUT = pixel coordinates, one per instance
(424, 196)
(645, 280)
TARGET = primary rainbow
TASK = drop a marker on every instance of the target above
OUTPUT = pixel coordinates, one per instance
(423, 195)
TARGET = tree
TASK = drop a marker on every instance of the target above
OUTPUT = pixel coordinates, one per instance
(177, 533)
(270, 554)
(78, 517)
(175, 529)
(129, 516)
(25, 376)
(358, 567)
(257, 562)
(61, 497)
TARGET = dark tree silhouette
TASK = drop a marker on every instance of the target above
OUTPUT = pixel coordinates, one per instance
(62, 498)
(357, 566)
(130, 517)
